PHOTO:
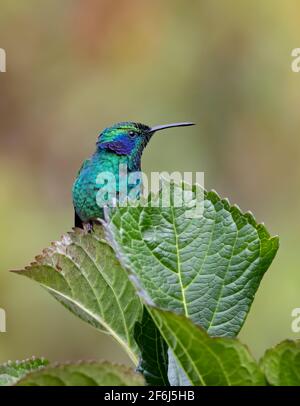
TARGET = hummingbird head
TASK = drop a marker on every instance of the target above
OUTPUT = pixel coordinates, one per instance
(129, 138)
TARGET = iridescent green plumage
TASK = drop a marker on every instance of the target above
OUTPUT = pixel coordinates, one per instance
(123, 143)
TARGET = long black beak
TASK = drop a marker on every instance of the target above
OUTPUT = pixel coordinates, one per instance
(163, 127)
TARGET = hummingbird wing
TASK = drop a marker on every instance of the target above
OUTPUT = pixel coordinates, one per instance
(77, 220)
(83, 166)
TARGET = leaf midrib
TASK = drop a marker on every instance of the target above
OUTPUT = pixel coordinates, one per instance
(111, 288)
(179, 263)
(131, 354)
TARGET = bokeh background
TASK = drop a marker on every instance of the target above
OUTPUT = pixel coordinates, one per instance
(76, 66)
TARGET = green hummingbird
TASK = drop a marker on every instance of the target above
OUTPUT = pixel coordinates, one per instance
(121, 144)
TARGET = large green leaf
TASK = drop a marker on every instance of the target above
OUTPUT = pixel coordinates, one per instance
(207, 268)
(281, 364)
(82, 272)
(205, 360)
(154, 351)
(83, 374)
(13, 371)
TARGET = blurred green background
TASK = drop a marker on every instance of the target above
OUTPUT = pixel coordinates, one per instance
(74, 67)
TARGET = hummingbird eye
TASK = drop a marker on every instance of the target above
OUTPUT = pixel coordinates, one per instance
(132, 134)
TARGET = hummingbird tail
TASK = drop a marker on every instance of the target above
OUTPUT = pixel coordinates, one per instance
(77, 220)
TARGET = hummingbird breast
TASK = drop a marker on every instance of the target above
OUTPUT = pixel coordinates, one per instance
(99, 178)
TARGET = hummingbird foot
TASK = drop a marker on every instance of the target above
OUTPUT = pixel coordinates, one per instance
(88, 227)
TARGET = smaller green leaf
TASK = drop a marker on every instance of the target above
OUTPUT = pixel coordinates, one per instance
(206, 360)
(281, 364)
(83, 374)
(12, 371)
(154, 351)
(81, 271)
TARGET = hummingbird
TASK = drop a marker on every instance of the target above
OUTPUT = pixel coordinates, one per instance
(122, 143)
